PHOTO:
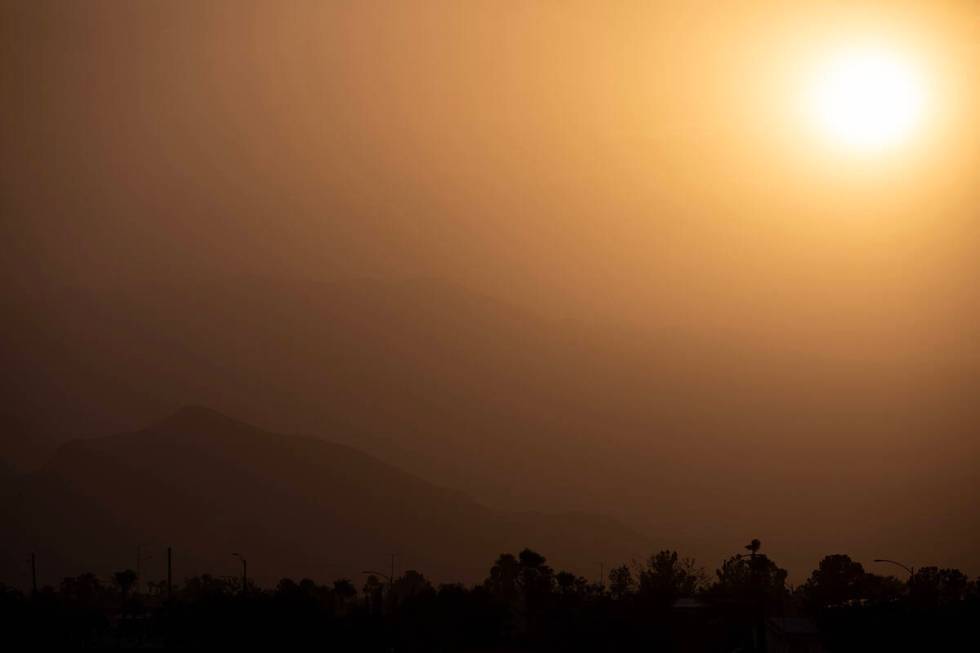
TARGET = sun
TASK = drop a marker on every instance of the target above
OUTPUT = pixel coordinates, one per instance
(867, 99)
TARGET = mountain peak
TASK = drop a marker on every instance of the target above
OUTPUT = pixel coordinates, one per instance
(195, 417)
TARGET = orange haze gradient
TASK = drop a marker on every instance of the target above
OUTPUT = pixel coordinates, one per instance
(639, 172)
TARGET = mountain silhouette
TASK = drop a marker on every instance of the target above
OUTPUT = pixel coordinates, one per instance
(673, 431)
(295, 505)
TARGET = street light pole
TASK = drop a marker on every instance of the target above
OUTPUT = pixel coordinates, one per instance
(244, 571)
(909, 570)
(390, 579)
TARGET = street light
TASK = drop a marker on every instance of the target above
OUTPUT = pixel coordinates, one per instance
(244, 571)
(390, 579)
(910, 570)
(391, 586)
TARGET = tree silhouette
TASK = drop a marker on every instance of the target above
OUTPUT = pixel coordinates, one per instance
(523, 605)
(621, 582)
(343, 591)
(207, 586)
(409, 586)
(374, 592)
(932, 586)
(535, 577)
(125, 579)
(569, 585)
(837, 581)
(667, 577)
(85, 589)
(503, 579)
(524, 584)
(753, 579)
(882, 589)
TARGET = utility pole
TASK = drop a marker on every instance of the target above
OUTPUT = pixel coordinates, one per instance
(170, 575)
(34, 573)
(392, 577)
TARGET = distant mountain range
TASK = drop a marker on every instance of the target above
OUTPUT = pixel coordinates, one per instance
(294, 505)
(700, 438)
(520, 410)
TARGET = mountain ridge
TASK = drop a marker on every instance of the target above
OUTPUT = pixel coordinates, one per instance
(300, 505)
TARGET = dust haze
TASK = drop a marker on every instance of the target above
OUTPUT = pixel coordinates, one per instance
(558, 258)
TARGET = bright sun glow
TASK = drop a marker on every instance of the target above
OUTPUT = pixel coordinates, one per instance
(867, 99)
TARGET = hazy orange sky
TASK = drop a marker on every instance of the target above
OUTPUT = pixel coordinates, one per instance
(636, 165)
(642, 159)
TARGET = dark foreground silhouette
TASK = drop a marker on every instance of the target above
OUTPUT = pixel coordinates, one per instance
(664, 603)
